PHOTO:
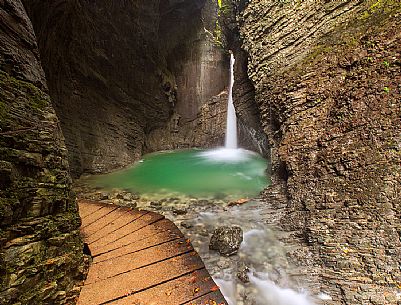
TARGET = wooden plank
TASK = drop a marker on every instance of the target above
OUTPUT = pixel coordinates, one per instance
(212, 298)
(130, 228)
(141, 258)
(97, 215)
(137, 236)
(94, 233)
(86, 208)
(177, 291)
(149, 238)
(139, 279)
(102, 222)
(136, 260)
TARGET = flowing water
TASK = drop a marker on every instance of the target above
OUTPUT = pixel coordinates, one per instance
(261, 251)
(231, 128)
(228, 173)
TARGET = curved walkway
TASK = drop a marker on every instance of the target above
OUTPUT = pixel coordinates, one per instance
(141, 258)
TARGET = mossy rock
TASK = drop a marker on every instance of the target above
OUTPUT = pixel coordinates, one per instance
(380, 9)
(37, 99)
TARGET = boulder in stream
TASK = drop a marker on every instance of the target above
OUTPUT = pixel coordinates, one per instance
(226, 240)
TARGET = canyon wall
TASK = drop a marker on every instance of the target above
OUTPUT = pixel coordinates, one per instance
(129, 78)
(200, 67)
(41, 256)
(327, 82)
(107, 76)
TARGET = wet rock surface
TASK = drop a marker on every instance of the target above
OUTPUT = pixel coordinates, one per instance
(149, 76)
(263, 251)
(226, 240)
(102, 65)
(41, 257)
(326, 79)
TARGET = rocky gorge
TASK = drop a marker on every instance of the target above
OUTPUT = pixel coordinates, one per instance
(90, 87)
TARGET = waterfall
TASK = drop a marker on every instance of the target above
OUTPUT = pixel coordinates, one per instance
(231, 129)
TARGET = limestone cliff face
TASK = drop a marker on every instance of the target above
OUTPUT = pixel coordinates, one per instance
(201, 70)
(40, 248)
(327, 81)
(250, 131)
(120, 71)
(201, 67)
(107, 76)
(133, 77)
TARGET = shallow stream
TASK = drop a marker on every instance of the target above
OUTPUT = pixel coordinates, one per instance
(193, 188)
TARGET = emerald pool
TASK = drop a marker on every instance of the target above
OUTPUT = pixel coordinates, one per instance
(217, 173)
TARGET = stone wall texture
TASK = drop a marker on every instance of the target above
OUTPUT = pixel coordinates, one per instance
(327, 78)
(40, 247)
(200, 68)
(107, 77)
(130, 77)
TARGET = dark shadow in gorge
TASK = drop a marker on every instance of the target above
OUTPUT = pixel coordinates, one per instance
(132, 77)
(107, 72)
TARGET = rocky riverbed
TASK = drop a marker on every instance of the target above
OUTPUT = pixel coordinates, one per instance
(260, 271)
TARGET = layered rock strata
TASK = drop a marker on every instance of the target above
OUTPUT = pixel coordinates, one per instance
(327, 81)
(131, 78)
(41, 255)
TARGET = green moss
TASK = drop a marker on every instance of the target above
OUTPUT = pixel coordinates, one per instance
(348, 36)
(380, 8)
(316, 52)
(224, 8)
(7, 205)
(38, 100)
(218, 35)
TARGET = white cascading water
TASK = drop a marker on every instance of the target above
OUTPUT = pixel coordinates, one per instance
(257, 245)
(230, 152)
(231, 129)
(267, 292)
(261, 252)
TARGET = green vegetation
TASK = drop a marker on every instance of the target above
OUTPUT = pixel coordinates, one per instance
(224, 8)
(38, 100)
(218, 35)
(224, 11)
(316, 51)
(381, 7)
(348, 36)
(386, 89)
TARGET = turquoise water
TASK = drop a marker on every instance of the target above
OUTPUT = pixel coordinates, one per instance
(233, 173)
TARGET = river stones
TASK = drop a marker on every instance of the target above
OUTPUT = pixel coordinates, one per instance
(242, 272)
(226, 240)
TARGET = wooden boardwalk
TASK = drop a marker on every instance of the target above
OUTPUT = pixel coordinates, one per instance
(141, 258)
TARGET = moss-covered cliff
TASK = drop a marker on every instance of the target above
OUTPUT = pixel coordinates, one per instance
(40, 248)
(327, 81)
